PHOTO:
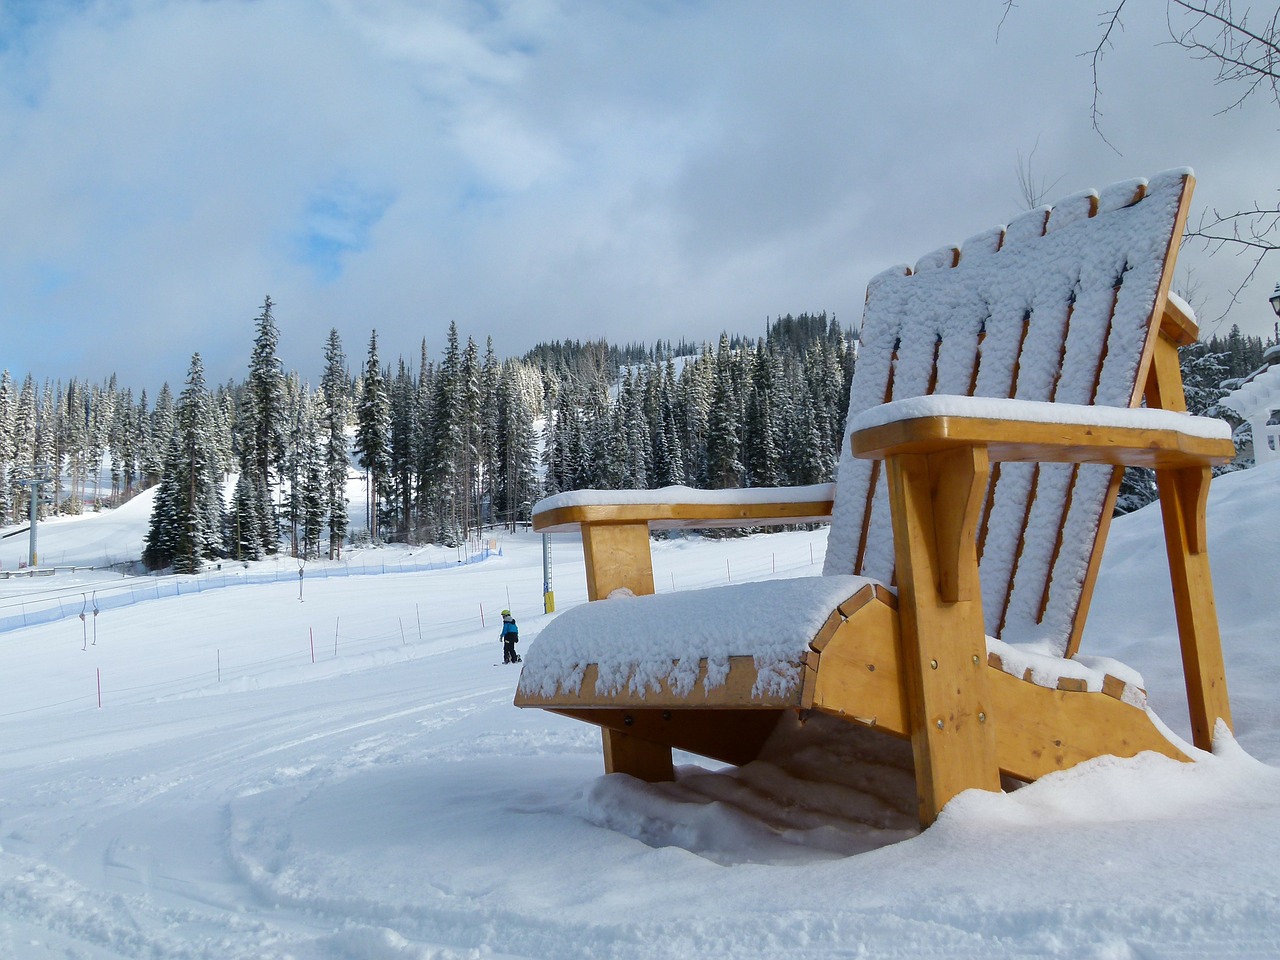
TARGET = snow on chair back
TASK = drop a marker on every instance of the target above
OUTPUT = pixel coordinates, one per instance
(1061, 305)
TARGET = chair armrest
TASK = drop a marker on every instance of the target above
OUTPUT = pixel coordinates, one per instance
(683, 507)
(1023, 430)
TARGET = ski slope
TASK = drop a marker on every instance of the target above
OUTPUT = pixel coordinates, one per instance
(344, 776)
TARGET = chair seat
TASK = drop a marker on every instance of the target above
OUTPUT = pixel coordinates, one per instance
(684, 643)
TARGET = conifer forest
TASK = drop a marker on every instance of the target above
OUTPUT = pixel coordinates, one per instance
(448, 442)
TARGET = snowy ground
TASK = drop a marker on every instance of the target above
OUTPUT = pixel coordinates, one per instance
(345, 777)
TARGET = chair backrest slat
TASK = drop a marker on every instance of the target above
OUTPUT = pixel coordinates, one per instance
(1060, 305)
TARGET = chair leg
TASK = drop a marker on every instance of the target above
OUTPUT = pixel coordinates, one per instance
(642, 759)
(935, 502)
(1183, 497)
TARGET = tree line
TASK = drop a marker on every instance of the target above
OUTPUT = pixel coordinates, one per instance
(445, 445)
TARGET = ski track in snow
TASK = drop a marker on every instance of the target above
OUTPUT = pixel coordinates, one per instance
(387, 802)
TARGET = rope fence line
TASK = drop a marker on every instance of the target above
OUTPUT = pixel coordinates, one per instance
(50, 606)
(390, 633)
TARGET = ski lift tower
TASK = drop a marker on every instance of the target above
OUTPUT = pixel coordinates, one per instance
(33, 477)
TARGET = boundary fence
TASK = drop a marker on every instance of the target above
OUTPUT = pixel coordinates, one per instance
(57, 604)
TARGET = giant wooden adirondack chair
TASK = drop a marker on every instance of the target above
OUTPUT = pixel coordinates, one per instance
(996, 392)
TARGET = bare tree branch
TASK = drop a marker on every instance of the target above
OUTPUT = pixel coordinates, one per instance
(1244, 55)
(1247, 57)
(1110, 22)
(1032, 190)
(1248, 232)
(1008, 6)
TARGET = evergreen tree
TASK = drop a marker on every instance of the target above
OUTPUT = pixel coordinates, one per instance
(333, 426)
(724, 467)
(159, 435)
(8, 403)
(244, 523)
(760, 454)
(487, 455)
(401, 460)
(428, 509)
(313, 498)
(186, 520)
(263, 420)
(516, 473)
(373, 431)
(1203, 372)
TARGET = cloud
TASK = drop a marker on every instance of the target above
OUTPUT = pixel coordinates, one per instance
(539, 170)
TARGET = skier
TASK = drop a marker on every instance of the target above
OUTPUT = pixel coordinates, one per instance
(509, 636)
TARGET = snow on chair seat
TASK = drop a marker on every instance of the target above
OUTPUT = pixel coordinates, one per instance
(1066, 307)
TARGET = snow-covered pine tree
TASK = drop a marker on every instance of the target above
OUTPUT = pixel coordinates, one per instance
(427, 510)
(446, 440)
(244, 524)
(159, 433)
(160, 544)
(49, 451)
(187, 523)
(403, 397)
(299, 452)
(517, 449)
(333, 426)
(724, 464)
(469, 421)
(695, 406)
(119, 447)
(487, 439)
(313, 512)
(8, 403)
(760, 455)
(224, 423)
(1202, 374)
(262, 423)
(373, 431)
(635, 430)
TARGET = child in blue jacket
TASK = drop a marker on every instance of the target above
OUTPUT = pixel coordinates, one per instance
(509, 636)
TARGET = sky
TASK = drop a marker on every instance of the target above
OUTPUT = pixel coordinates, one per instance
(543, 170)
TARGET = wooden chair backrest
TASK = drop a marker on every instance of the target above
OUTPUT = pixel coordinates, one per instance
(1063, 304)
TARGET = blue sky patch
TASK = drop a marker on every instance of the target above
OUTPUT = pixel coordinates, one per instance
(338, 220)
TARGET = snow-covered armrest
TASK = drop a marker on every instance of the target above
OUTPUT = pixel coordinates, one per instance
(673, 507)
(1023, 430)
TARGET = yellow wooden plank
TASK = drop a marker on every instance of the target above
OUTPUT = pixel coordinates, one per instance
(617, 556)
(1161, 310)
(1040, 730)
(636, 757)
(1177, 325)
(957, 487)
(944, 655)
(733, 736)
(664, 516)
(859, 674)
(1024, 441)
(827, 630)
(1183, 494)
(1113, 687)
